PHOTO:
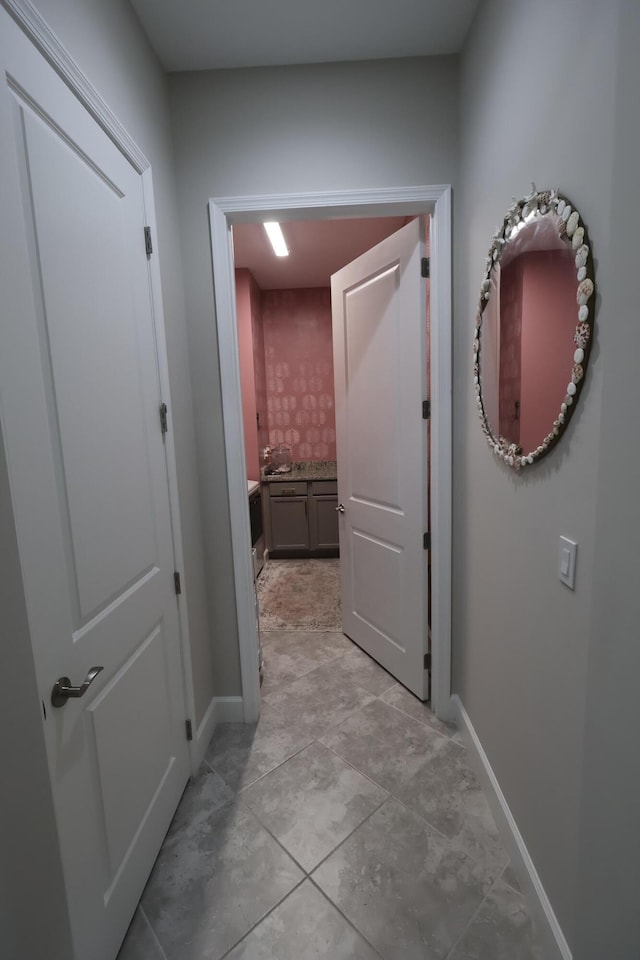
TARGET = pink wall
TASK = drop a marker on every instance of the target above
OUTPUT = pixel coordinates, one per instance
(549, 304)
(259, 366)
(299, 366)
(510, 389)
(252, 376)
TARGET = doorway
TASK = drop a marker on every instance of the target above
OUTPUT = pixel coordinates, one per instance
(287, 331)
(224, 213)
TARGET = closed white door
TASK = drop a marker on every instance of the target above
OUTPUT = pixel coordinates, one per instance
(79, 401)
(379, 343)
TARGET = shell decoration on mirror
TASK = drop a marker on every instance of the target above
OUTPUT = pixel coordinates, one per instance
(542, 224)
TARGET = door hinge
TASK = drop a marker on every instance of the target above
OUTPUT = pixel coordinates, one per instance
(427, 661)
(148, 245)
(189, 727)
(425, 267)
(177, 582)
(164, 422)
(426, 409)
(426, 541)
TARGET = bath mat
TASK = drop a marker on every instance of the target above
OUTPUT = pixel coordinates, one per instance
(300, 595)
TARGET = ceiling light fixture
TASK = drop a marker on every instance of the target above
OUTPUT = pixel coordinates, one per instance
(277, 239)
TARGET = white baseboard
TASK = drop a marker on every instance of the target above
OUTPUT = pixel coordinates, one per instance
(549, 930)
(229, 710)
(220, 710)
(203, 736)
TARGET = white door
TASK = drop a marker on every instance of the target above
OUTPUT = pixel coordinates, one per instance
(79, 401)
(379, 343)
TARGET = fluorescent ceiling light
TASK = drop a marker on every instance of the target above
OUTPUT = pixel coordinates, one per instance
(277, 240)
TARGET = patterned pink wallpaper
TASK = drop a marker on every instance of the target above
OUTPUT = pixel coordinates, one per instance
(299, 368)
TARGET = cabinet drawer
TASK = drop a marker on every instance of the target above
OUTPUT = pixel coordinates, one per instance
(324, 487)
(283, 489)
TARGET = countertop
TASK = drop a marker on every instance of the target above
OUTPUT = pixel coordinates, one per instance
(253, 485)
(305, 470)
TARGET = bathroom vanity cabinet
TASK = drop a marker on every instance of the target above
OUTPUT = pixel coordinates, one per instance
(301, 518)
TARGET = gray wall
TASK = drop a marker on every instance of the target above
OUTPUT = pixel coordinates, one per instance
(609, 874)
(286, 130)
(107, 42)
(537, 97)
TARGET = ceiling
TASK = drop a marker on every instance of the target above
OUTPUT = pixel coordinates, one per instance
(215, 34)
(317, 248)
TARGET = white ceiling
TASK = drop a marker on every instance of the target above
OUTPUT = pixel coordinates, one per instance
(214, 34)
(317, 248)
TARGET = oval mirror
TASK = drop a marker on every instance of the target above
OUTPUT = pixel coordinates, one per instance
(533, 328)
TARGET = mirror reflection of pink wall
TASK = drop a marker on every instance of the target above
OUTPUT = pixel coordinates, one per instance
(509, 394)
(537, 323)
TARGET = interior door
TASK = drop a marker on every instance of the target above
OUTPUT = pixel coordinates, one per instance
(79, 401)
(379, 343)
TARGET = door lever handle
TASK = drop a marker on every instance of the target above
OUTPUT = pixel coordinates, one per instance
(340, 508)
(62, 688)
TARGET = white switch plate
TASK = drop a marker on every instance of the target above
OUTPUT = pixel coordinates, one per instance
(567, 551)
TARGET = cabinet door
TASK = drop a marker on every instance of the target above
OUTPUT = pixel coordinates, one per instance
(289, 523)
(324, 523)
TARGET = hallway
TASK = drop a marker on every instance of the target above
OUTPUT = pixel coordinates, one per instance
(346, 824)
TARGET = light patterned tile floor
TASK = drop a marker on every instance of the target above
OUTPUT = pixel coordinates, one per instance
(346, 824)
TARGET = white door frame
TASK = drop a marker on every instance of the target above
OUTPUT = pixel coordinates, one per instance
(43, 38)
(223, 213)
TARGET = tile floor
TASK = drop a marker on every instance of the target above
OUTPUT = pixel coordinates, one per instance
(347, 824)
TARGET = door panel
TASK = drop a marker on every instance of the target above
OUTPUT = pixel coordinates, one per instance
(121, 740)
(100, 430)
(379, 338)
(79, 401)
(371, 353)
(380, 609)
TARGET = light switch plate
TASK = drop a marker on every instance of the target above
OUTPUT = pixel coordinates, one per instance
(567, 552)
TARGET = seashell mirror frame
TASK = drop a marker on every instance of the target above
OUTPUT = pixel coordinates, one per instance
(573, 233)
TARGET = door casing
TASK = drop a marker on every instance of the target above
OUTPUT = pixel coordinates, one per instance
(224, 212)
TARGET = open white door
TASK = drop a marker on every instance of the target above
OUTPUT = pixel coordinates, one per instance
(379, 343)
(79, 401)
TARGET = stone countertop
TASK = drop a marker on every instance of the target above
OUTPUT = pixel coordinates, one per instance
(305, 470)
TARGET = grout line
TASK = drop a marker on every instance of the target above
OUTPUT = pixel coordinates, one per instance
(345, 917)
(450, 840)
(348, 837)
(234, 793)
(476, 912)
(273, 837)
(428, 823)
(423, 723)
(391, 795)
(375, 783)
(351, 832)
(264, 917)
(320, 666)
(153, 933)
(510, 885)
(277, 767)
(288, 683)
